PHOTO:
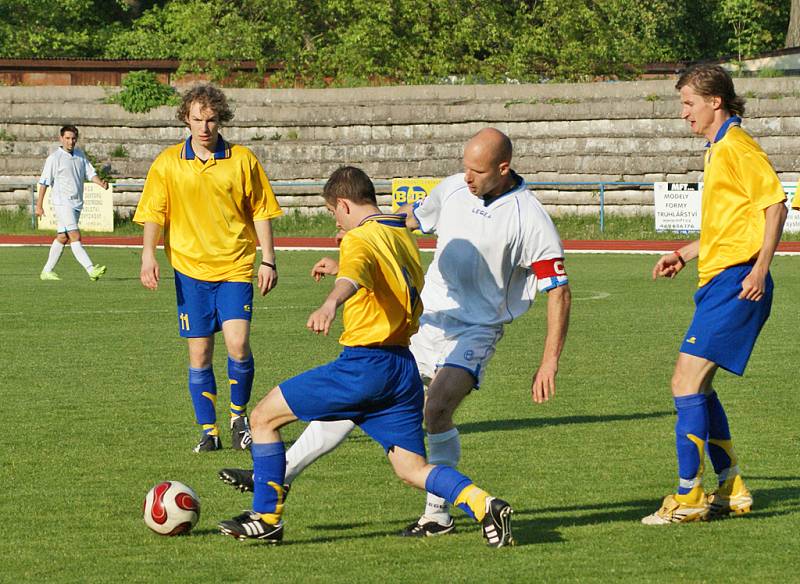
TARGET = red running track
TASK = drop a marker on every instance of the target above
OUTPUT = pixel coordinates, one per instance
(424, 243)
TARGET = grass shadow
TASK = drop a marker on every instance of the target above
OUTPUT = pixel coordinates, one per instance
(523, 423)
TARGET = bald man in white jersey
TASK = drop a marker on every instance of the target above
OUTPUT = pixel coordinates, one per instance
(496, 246)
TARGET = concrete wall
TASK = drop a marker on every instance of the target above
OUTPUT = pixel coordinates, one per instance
(627, 132)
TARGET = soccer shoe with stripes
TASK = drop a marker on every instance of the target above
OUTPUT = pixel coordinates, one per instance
(96, 271)
(249, 525)
(49, 276)
(496, 523)
(240, 433)
(426, 527)
(732, 497)
(240, 479)
(693, 507)
(208, 443)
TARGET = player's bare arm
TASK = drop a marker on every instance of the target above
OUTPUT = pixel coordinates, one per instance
(559, 301)
(321, 319)
(753, 286)
(670, 264)
(324, 267)
(267, 274)
(40, 200)
(150, 272)
(103, 184)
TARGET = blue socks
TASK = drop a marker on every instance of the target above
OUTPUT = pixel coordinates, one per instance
(691, 431)
(269, 470)
(240, 377)
(447, 483)
(203, 389)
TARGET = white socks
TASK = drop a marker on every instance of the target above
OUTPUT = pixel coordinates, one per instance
(56, 249)
(444, 448)
(81, 255)
(317, 440)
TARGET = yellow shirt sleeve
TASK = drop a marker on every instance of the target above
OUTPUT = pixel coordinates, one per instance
(152, 207)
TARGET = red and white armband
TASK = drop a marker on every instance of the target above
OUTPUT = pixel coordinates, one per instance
(550, 273)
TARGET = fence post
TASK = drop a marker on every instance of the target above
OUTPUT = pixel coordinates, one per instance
(602, 207)
(33, 206)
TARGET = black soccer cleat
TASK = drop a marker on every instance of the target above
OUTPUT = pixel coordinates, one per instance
(249, 525)
(208, 443)
(496, 523)
(240, 433)
(239, 478)
(424, 527)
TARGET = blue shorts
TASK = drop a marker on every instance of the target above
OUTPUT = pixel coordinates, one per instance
(204, 306)
(378, 388)
(724, 328)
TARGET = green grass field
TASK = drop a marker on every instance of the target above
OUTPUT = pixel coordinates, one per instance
(96, 412)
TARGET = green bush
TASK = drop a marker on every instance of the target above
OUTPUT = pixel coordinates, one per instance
(142, 91)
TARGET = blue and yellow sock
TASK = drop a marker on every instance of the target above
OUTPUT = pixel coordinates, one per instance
(240, 377)
(720, 446)
(691, 431)
(269, 470)
(203, 389)
(449, 484)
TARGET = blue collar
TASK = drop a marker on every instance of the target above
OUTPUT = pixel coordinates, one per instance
(223, 149)
(731, 121)
(389, 219)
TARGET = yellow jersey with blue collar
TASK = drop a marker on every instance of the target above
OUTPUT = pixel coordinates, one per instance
(381, 257)
(739, 183)
(207, 209)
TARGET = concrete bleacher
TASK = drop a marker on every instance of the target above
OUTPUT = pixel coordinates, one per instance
(612, 132)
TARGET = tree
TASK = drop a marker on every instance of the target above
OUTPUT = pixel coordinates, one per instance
(793, 32)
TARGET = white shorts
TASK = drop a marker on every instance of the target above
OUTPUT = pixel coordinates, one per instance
(442, 340)
(67, 217)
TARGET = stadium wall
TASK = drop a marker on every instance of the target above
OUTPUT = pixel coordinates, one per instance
(610, 132)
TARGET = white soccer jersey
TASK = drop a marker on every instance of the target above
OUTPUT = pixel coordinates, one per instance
(65, 173)
(481, 272)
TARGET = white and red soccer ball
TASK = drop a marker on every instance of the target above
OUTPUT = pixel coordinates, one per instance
(171, 508)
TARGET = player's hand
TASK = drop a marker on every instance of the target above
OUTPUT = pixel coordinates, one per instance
(324, 267)
(321, 319)
(753, 286)
(667, 266)
(150, 273)
(543, 386)
(104, 184)
(267, 279)
(39, 210)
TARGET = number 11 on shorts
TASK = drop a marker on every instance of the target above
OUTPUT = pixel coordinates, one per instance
(184, 318)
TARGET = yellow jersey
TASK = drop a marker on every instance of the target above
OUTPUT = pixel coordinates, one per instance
(796, 199)
(207, 209)
(382, 258)
(739, 183)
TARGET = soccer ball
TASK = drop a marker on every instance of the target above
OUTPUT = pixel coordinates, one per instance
(171, 508)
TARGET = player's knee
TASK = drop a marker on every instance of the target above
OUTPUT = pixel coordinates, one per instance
(62, 238)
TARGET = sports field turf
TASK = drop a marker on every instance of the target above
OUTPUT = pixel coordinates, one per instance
(96, 411)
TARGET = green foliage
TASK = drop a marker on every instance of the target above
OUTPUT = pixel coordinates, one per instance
(119, 151)
(102, 169)
(142, 91)
(360, 42)
(6, 136)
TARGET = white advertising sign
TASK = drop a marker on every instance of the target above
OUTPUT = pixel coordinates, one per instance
(97, 214)
(677, 207)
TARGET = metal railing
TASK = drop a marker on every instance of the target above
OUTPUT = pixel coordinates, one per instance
(381, 185)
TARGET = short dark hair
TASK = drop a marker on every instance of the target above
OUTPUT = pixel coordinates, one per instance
(351, 183)
(209, 97)
(713, 81)
(68, 128)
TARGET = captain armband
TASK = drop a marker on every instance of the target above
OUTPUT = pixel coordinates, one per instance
(550, 274)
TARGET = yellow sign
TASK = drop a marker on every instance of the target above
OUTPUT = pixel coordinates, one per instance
(411, 190)
(97, 214)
